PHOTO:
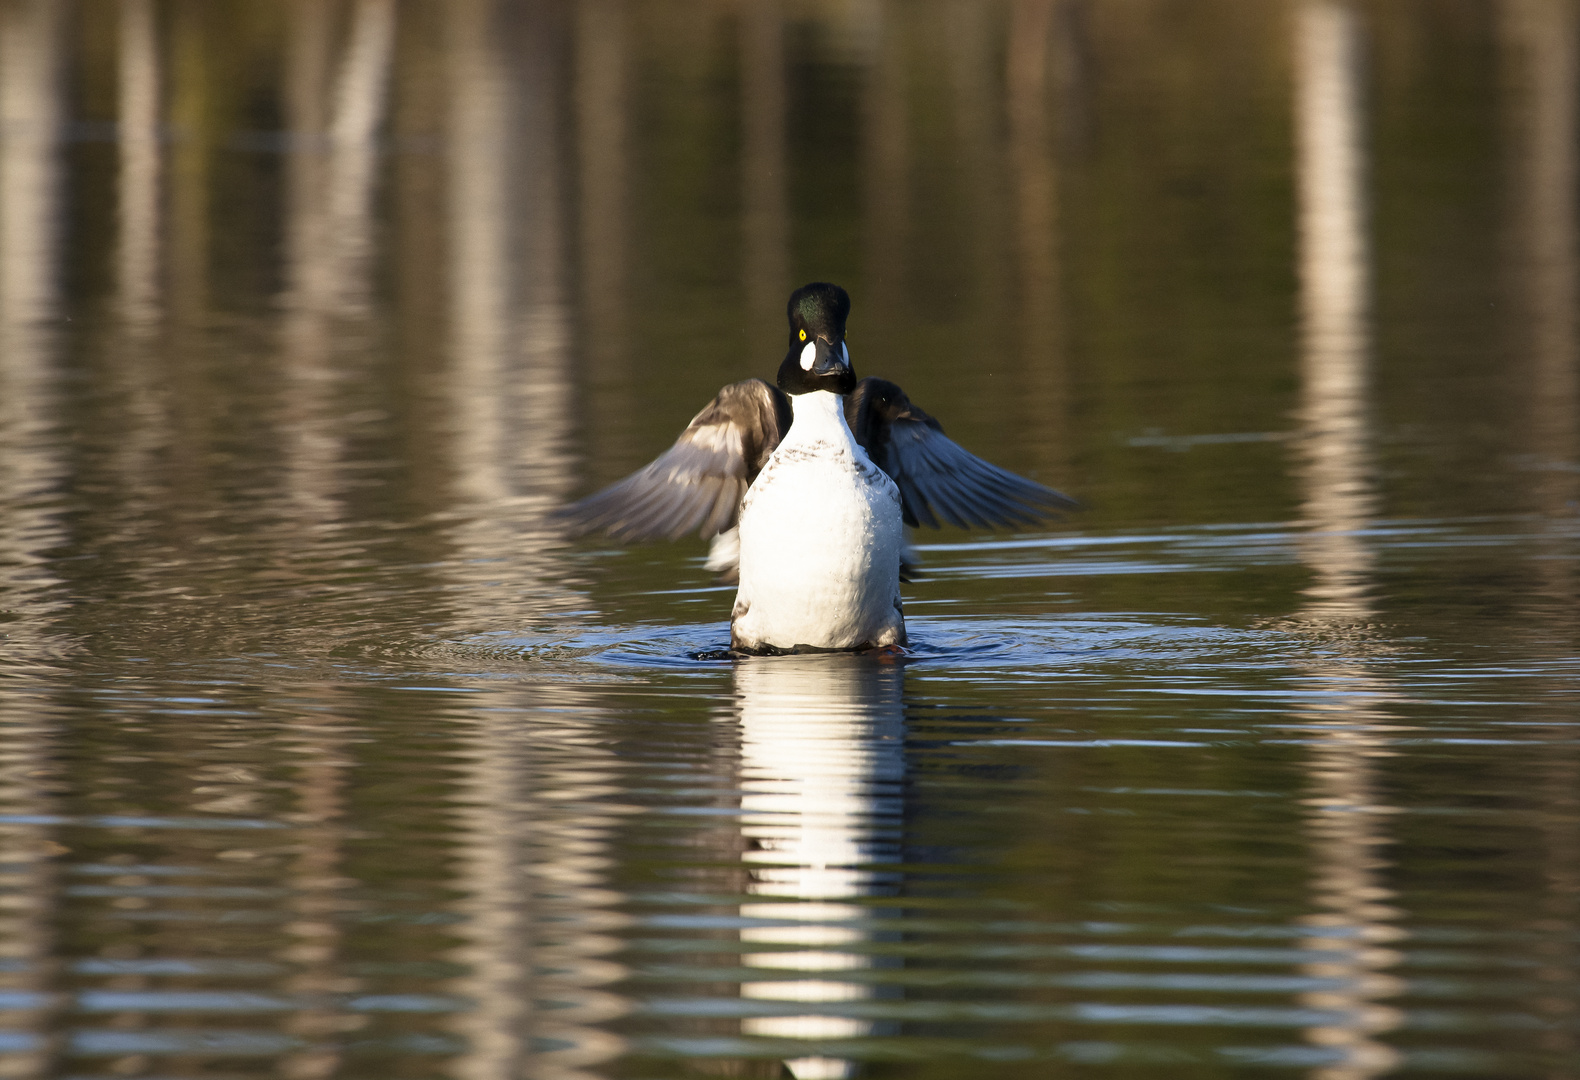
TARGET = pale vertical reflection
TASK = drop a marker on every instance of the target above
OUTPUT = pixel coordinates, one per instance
(1334, 283)
(490, 871)
(765, 200)
(1539, 38)
(188, 230)
(510, 394)
(317, 902)
(334, 128)
(885, 146)
(309, 443)
(360, 102)
(1029, 72)
(601, 133)
(530, 864)
(28, 889)
(822, 761)
(482, 141)
(981, 190)
(32, 111)
(1542, 56)
(333, 162)
(535, 816)
(137, 257)
(970, 51)
(1353, 922)
(336, 107)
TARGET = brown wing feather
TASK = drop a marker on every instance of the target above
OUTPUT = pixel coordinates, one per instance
(937, 477)
(697, 484)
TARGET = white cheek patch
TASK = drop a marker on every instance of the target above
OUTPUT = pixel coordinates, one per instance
(808, 354)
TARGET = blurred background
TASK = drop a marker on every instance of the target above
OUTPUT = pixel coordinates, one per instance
(321, 756)
(520, 244)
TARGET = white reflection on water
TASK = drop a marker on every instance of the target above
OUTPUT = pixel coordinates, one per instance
(822, 762)
(1353, 920)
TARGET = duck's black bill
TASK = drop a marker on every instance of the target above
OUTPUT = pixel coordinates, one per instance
(829, 359)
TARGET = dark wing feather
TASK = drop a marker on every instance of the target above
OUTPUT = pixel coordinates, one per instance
(937, 477)
(696, 484)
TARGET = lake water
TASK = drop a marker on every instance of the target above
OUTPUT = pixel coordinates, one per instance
(322, 756)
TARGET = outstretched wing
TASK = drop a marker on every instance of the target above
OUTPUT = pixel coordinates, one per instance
(937, 477)
(696, 484)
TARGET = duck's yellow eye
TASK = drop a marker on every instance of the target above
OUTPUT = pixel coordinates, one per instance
(803, 335)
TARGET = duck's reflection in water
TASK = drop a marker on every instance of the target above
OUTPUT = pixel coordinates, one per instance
(822, 764)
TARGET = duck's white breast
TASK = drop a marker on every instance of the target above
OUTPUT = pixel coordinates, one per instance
(820, 535)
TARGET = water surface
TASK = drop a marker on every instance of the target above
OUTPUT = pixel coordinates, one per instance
(321, 755)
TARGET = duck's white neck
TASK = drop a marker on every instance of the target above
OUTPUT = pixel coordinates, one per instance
(819, 417)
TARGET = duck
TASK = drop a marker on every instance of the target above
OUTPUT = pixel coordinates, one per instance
(805, 488)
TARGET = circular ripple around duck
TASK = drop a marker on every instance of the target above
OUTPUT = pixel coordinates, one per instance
(1058, 642)
(644, 645)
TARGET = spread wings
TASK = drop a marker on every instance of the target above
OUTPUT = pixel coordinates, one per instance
(697, 484)
(937, 477)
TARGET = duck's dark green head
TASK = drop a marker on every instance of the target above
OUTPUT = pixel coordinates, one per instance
(818, 358)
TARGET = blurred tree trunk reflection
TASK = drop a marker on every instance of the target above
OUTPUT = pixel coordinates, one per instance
(336, 102)
(29, 949)
(419, 248)
(140, 413)
(509, 392)
(765, 200)
(885, 146)
(1031, 78)
(508, 401)
(1540, 47)
(193, 99)
(336, 95)
(603, 170)
(982, 281)
(318, 881)
(1542, 61)
(1353, 921)
(140, 195)
(32, 113)
(534, 819)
